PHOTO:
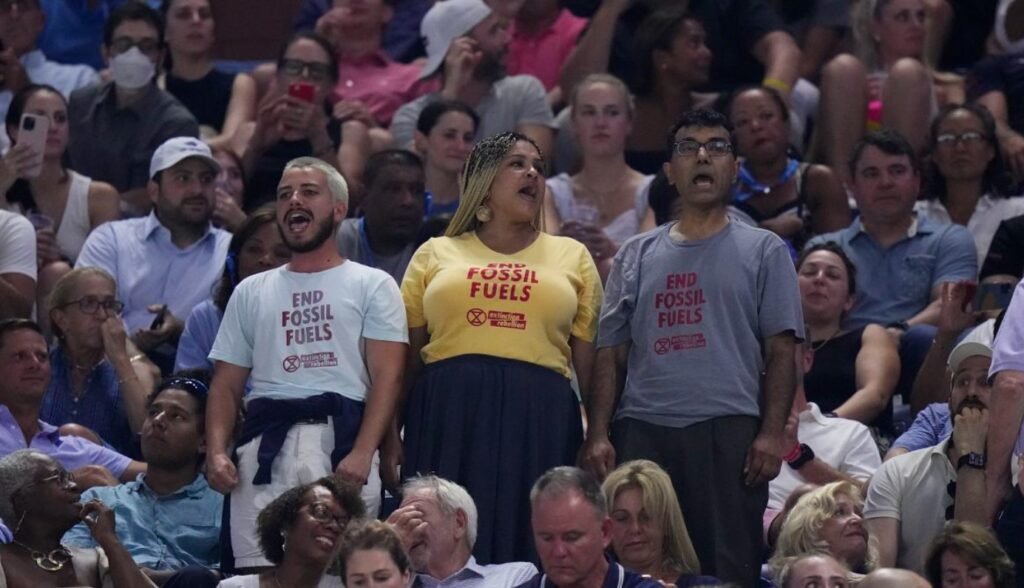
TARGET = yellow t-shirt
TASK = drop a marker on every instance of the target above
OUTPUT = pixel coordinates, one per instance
(522, 306)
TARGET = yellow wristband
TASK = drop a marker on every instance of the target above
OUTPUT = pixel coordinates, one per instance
(777, 84)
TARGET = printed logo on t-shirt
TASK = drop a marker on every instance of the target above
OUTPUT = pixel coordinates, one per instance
(679, 304)
(496, 318)
(307, 322)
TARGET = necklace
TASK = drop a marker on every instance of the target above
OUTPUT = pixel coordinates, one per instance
(54, 561)
(815, 348)
(755, 187)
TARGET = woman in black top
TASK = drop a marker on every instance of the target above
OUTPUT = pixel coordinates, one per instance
(855, 371)
(220, 101)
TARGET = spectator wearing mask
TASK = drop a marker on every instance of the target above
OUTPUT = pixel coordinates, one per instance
(17, 266)
(116, 126)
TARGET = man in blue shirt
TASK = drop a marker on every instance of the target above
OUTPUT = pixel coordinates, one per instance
(168, 262)
(167, 518)
(571, 531)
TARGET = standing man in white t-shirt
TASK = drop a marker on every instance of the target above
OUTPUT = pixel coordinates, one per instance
(324, 339)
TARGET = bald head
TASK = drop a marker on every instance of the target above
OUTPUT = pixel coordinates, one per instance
(893, 578)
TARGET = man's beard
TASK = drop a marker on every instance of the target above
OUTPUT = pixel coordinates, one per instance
(324, 231)
(491, 68)
(969, 402)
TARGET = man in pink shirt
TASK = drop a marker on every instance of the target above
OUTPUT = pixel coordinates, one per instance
(543, 28)
(371, 86)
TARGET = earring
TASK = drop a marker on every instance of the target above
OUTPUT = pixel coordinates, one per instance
(284, 541)
(483, 213)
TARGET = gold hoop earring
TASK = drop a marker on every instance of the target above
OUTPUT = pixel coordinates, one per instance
(483, 213)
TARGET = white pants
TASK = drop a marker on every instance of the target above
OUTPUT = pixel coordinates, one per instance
(305, 457)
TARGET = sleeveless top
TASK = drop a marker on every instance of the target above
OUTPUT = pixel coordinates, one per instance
(74, 225)
(797, 207)
(621, 227)
(832, 379)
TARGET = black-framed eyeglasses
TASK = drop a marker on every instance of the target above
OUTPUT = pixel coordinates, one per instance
(123, 44)
(318, 72)
(714, 147)
(951, 139)
(91, 305)
(63, 477)
(188, 384)
(321, 513)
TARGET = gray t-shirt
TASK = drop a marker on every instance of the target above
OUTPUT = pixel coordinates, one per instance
(352, 245)
(696, 313)
(513, 101)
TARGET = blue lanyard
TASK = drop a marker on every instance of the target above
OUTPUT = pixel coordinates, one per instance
(748, 179)
(364, 244)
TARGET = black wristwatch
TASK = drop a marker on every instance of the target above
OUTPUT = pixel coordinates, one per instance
(901, 325)
(971, 460)
(805, 457)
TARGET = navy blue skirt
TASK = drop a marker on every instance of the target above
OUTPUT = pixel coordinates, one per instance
(494, 426)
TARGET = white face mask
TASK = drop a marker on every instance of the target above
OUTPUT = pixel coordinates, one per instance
(132, 70)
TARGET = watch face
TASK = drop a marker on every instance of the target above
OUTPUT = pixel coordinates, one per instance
(976, 459)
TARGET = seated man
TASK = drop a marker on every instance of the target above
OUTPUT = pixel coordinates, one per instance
(437, 524)
(17, 266)
(544, 28)
(23, 63)
(116, 126)
(393, 210)
(168, 262)
(168, 518)
(571, 531)
(466, 46)
(911, 496)
(24, 374)
(371, 85)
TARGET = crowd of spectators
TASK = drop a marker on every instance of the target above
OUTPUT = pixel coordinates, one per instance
(513, 293)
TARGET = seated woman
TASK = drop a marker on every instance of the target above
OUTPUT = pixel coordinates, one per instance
(967, 181)
(648, 532)
(62, 204)
(854, 371)
(256, 247)
(372, 555)
(220, 101)
(828, 520)
(605, 203)
(294, 120)
(230, 190)
(444, 137)
(97, 377)
(675, 61)
(777, 191)
(300, 532)
(39, 501)
(886, 84)
(966, 554)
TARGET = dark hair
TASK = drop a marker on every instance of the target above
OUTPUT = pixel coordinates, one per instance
(380, 161)
(215, 151)
(195, 382)
(833, 247)
(17, 324)
(229, 278)
(656, 32)
(996, 181)
(433, 112)
(129, 12)
(373, 534)
(701, 118)
(332, 57)
(729, 99)
(975, 543)
(20, 192)
(280, 514)
(662, 197)
(888, 141)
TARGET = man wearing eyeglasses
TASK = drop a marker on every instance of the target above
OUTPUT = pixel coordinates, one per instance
(116, 126)
(703, 315)
(23, 63)
(24, 374)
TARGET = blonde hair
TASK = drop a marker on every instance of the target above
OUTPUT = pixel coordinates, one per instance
(603, 78)
(801, 532)
(477, 177)
(336, 183)
(661, 504)
(65, 291)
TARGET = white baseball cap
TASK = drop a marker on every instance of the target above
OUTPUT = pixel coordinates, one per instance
(446, 21)
(977, 342)
(177, 149)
